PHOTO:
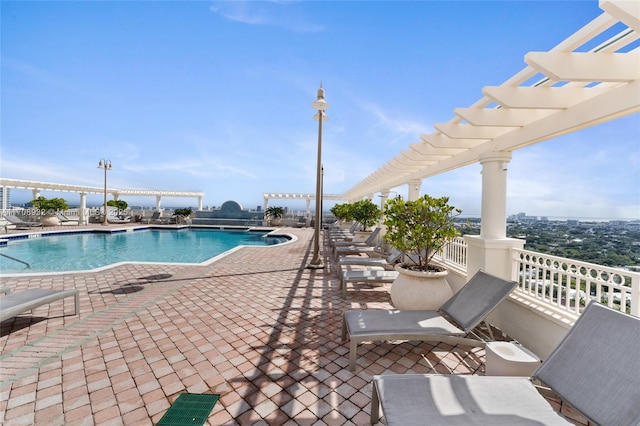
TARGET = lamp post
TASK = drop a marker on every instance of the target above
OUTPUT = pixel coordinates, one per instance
(321, 105)
(106, 165)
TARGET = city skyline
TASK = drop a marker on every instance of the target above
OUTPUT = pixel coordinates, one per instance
(215, 97)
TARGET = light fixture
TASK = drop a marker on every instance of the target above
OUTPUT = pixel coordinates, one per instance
(321, 105)
(106, 165)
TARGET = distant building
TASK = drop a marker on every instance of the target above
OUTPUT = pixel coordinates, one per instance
(5, 198)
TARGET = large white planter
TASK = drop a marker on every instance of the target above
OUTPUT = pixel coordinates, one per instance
(50, 221)
(416, 290)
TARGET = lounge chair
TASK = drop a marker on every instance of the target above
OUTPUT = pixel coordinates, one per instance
(594, 369)
(353, 249)
(19, 223)
(372, 275)
(119, 219)
(64, 219)
(370, 241)
(467, 308)
(385, 262)
(14, 304)
(342, 235)
(154, 217)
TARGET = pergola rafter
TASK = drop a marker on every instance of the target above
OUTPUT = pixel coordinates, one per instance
(573, 89)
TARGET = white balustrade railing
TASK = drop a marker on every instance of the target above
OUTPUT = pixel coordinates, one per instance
(569, 284)
(455, 253)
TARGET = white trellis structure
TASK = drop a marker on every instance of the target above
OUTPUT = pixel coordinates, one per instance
(36, 187)
(590, 78)
(308, 198)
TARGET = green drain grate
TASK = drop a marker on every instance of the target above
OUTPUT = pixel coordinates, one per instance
(189, 409)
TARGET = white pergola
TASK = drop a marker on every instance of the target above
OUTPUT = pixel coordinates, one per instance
(298, 196)
(36, 187)
(560, 91)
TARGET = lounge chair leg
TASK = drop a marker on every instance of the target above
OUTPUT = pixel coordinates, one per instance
(353, 353)
(76, 298)
(344, 329)
(375, 405)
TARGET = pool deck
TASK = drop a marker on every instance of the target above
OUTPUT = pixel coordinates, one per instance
(255, 326)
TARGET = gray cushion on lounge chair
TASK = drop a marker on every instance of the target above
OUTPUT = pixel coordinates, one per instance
(369, 242)
(370, 275)
(596, 368)
(474, 302)
(413, 399)
(466, 308)
(406, 325)
(19, 223)
(388, 261)
(16, 303)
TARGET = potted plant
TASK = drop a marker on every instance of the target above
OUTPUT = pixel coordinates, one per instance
(420, 229)
(48, 208)
(183, 215)
(366, 214)
(119, 214)
(342, 212)
(274, 214)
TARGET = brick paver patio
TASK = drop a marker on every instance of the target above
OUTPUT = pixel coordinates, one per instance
(255, 327)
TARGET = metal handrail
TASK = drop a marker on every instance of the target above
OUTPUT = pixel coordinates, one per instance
(17, 260)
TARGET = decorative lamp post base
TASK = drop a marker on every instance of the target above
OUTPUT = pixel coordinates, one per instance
(316, 265)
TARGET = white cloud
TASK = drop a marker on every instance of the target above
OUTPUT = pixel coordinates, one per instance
(276, 14)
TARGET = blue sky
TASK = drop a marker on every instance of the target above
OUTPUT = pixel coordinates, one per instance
(215, 97)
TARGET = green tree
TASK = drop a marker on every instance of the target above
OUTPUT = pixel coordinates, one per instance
(365, 212)
(49, 205)
(342, 212)
(420, 228)
(119, 204)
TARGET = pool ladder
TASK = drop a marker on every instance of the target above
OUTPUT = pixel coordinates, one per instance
(17, 260)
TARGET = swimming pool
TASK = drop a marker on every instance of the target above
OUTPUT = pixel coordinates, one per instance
(89, 250)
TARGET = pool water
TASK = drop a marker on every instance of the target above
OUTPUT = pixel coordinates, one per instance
(90, 250)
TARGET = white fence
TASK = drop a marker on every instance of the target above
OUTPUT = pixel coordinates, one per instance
(569, 284)
(455, 253)
(565, 284)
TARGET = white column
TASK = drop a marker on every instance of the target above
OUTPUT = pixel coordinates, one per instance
(5, 193)
(414, 189)
(36, 193)
(491, 250)
(158, 202)
(199, 202)
(308, 207)
(494, 194)
(82, 220)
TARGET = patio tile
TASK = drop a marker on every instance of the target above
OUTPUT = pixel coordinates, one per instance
(255, 327)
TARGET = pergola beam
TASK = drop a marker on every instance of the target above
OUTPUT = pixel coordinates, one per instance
(586, 66)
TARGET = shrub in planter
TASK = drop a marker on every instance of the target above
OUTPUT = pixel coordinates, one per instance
(49, 206)
(119, 204)
(274, 212)
(420, 228)
(342, 212)
(365, 212)
(183, 214)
